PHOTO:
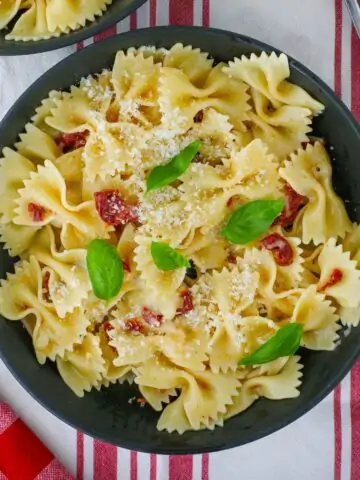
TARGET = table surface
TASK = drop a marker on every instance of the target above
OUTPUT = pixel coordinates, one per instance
(325, 443)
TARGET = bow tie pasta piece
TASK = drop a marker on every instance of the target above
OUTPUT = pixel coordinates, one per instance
(183, 345)
(70, 166)
(44, 111)
(113, 149)
(275, 386)
(16, 238)
(135, 81)
(37, 145)
(281, 142)
(68, 284)
(82, 368)
(349, 316)
(267, 74)
(317, 315)
(72, 14)
(8, 10)
(204, 395)
(46, 189)
(227, 96)
(21, 296)
(79, 110)
(256, 170)
(309, 173)
(14, 169)
(33, 25)
(156, 397)
(346, 290)
(262, 261)
(192, 61)
(161, 286)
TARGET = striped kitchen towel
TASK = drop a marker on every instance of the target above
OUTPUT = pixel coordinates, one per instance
(322, 445)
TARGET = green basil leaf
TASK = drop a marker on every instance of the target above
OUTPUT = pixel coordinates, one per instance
(164, 174)
(285, 342)
(251, 220)
(105, 269)
(166, 258)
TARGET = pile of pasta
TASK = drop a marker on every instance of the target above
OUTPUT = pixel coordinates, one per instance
(41, 19)
(178, 338)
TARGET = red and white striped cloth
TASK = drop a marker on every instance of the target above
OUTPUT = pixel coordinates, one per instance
(322, 445)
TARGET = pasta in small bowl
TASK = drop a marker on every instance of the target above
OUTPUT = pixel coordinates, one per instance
(33, 26)
(183, 261)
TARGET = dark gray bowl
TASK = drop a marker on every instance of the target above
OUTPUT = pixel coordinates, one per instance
(115, 12)
(107, 414)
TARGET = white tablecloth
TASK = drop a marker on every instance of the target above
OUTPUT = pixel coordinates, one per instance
(325, 443)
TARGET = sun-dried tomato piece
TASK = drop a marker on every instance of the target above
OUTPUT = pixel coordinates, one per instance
(68, 142)
(37, 212)
(134, 325)
(293, 202)
(45, 287)
(113, 210)
(152, 318)
(335, 277)
(126, 266)
(280, 248)
(187, 303)
(199, 116)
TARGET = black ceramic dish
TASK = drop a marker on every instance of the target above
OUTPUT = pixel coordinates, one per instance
(115, 12)
(107, 414)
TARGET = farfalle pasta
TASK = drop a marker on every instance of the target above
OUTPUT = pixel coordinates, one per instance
(176, 227)
(42, 19)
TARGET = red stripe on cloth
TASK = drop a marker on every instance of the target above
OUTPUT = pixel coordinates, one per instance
(7, 417)
(133, 21)
(106, 34)
(206, 13)
(105, 461)
(153, 467)
(80, 45)
(338, 45)
(23, 455)
(79, 456)
(181, 12)
(355, 422)
(180, 467)
(152, 21)
(133, 466)
(205, 467)
(355, 74)
(54, 471)
(337, 433)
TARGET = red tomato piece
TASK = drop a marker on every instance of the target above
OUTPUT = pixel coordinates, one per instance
(68, 142)
(293, 203)
(134, 325)
(187, 305)
(280, 248)
(113, 210)
(335, 277)
(126, 266)
(152, 318)
(37, 212)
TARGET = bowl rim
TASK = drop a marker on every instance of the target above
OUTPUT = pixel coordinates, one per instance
(346, 364)
(91, 28)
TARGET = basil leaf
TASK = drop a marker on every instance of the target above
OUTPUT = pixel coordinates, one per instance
(285, 342)
(166, 258)
(251, 220)
(164, 174)
(105, 269)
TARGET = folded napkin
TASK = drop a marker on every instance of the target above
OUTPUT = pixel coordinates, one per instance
(322, 445)
(22, 455)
